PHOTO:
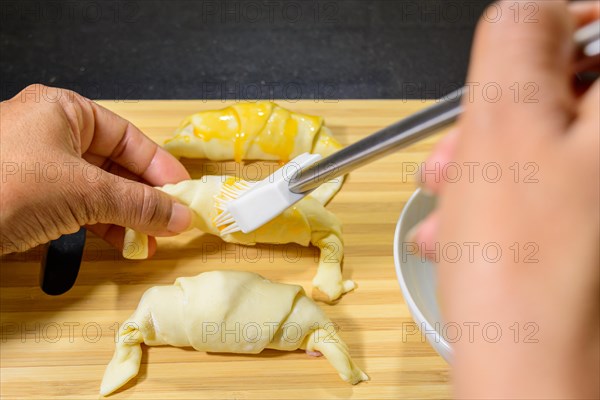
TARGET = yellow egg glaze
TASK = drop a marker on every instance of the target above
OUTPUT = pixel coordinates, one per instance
(260, 130)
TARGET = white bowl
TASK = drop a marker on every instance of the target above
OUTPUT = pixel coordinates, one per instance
(417, 277)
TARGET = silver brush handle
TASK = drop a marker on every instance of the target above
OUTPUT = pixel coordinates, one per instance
(409, 130)
(377, 145)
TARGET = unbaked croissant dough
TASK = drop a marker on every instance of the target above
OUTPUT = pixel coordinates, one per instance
(255, 131)
(307, 222)
(227, 311)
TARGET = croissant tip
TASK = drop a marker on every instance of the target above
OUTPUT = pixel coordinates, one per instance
(319, 295)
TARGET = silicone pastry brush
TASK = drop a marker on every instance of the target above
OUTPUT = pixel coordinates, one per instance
(250, 206)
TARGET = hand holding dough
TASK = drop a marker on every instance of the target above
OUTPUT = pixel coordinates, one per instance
(197, 311)
(307, 222)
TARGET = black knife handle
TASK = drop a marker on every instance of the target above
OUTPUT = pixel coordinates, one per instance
(61, 262)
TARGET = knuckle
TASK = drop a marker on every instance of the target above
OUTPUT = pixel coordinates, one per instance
(153, 208)
(39, 101)
(47, 95)
(97, 201)
(34, 87)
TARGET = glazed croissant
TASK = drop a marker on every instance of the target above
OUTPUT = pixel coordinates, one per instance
(307, 222)
(255, 131)
(227, 311)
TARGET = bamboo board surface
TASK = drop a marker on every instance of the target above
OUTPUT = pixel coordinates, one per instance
(58, 347)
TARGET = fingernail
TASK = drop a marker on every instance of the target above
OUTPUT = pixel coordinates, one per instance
(181, 218)
(421, 182)
(411, 235)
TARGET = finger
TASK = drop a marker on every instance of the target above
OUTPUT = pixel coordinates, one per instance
(527, 59)
(111, 167)
(587, 125)
(105, 134)
(431, 177)
(114, 200)
(584, 145)
(164, 168)
(586, 69)
(424, 235)
(585, 12)
(114, 235)
(590, 104)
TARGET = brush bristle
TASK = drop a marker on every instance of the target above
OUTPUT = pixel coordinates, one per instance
(233, 228)
(229, 193)
(224, 218)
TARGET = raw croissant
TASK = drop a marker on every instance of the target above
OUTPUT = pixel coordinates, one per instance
(307, 222)
(255, 131)
(227, 311)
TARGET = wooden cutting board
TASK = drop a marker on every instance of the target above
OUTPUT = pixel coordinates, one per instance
(58, 347)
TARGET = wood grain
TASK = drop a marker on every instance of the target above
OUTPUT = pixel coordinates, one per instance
(58, 347)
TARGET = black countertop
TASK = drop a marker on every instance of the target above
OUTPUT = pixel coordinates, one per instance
(185, 49)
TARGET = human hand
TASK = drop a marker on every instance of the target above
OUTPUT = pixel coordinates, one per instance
(542, 213)
(68, 162)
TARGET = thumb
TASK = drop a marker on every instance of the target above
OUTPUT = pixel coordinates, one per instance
(115, 200)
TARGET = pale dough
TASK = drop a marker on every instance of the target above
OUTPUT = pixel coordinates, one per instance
(227, 311)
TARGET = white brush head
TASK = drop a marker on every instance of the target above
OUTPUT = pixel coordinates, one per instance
(247, 207)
